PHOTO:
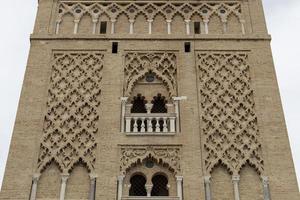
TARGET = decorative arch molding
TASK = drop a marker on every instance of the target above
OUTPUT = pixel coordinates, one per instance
(162, 64)
(167, 155)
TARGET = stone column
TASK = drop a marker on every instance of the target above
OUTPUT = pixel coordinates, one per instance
(35, 180)
(148, 189)
(120, 186)
(113, 21)
(95, 21)
(176, 104)
(224, 22)
(131, 22)
(187, 26)
(266, 188)
(76, 23)
(206, 25)
(92, 194)
(58, 22)
(242, 21)
(179, 180)
(64, 179)
(123, 102)
(207, 187)
(150, 25)
(235, 181)
(169, 25)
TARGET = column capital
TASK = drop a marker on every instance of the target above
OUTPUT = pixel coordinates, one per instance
(36, 177)
(179, 98)
(93, 176)
(76, 21)
(113, 20)
(150, 20)
(179, 178)
(205, 20)
(207, 179)
(242, 21)
(131, 20)
(187, 21)
(235, 178)
(64, 177)
(265, 180)
(168, 20)
(121, 178)
(124, 99)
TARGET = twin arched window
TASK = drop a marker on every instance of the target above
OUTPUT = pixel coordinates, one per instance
(139, 104)
(159, 185)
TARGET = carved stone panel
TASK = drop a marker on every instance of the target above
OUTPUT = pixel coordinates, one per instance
(166, 155)
(229, 123)
(162, 64)
(72, 114)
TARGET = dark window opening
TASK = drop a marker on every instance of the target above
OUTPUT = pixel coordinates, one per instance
(114, 47)
(197, 27)
(103, 27)
(187, 47)
(160, 188)
(139, 104)
(159, 104)
(138, 186)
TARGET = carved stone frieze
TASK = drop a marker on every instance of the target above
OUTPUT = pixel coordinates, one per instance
(168, 9)
(72, 114)
(229, 122)
(166, 155)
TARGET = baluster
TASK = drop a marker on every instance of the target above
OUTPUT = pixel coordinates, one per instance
(135, 125)
(143, 130)
(150, 128)
(157, 125)
(165, 125)
(172, 124)
(127, 124)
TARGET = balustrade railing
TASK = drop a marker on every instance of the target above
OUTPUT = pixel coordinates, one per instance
(150, 123)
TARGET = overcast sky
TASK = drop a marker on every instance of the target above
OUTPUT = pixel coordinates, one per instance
(283, 18)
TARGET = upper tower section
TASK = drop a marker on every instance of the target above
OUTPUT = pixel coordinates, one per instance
(151, 19)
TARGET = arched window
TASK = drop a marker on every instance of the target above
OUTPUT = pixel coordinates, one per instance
(138, 186)
(139, 104)
(160, 188)
(159, 104)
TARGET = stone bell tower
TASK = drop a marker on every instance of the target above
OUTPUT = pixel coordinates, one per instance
(150, 100)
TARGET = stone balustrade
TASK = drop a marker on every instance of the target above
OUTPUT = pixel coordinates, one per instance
(150, 198)
(150, 123)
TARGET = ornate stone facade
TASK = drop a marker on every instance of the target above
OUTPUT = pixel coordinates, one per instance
(144, 100)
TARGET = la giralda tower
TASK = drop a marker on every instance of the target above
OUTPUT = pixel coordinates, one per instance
(150, 100)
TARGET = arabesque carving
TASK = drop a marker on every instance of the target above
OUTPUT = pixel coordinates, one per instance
(229, 122)
(168, 9)
(72, 110)
(166, 155)
(162, 64)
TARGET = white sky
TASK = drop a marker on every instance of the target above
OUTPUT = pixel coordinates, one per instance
(18, 17)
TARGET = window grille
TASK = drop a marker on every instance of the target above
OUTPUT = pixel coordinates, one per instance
(159, 104)
(139, 104)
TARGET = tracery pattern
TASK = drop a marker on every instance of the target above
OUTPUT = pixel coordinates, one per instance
(229, 122)
(167, 155)
(138, 64)
(72, 110)
(168, 9)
